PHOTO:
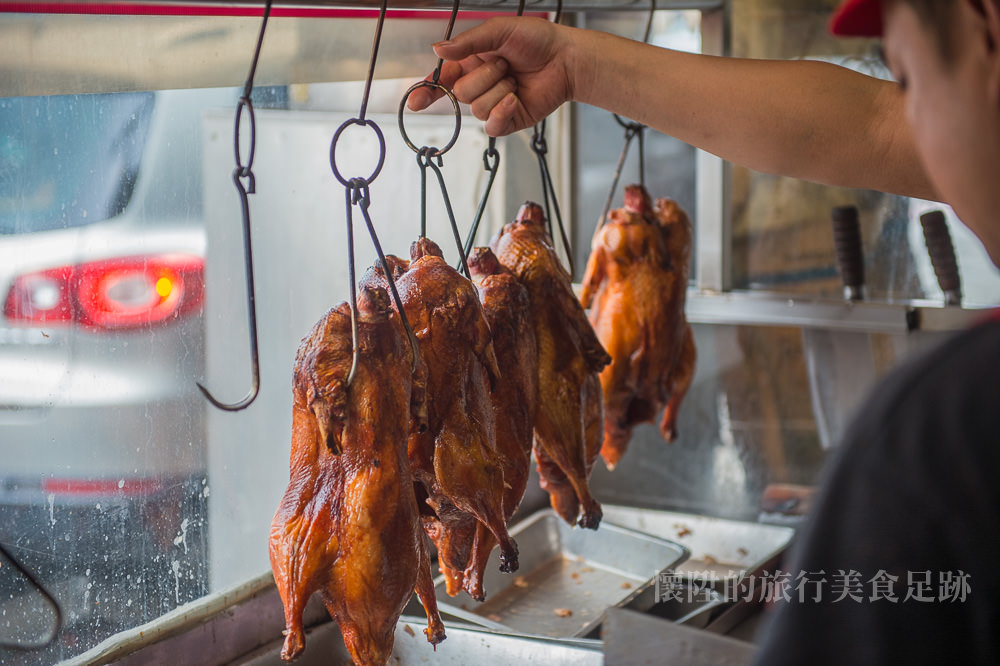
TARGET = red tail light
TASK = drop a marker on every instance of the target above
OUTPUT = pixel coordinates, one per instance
(94, 487)
(122, 293)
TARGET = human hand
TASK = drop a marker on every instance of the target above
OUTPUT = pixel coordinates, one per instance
(512, 72)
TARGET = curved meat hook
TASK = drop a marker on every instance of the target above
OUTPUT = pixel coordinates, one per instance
(491, 160)
(431, 157)
(632, 130)
(540, 146)
(356, 193)
(49, 599)
(491, 163)
(245, 171)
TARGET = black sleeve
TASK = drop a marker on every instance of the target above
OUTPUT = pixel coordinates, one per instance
(897, 562)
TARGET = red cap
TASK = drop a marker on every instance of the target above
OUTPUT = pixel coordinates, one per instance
(857, 18)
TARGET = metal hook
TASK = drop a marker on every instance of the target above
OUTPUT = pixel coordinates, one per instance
(51, 600)
(238, 173)
(357, 193)
(377, 39)
(246, 171)
(631, 131)
(430, 156)
(491, 163)
(649, 22)
(447, 35)
(540, 146)
(362, 197)
(423, 193)
(426, 158)
(351, 196)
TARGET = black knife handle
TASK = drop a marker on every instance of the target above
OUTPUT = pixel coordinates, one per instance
(942, 253)
(847, 243)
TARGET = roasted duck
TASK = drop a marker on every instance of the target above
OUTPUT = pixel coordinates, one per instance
(635, 286)
(514, 395)
(459, 472)
(562, 495)
(568, 353)
(348, 525)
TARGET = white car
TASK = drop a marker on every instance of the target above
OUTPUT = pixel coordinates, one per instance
(103, 492)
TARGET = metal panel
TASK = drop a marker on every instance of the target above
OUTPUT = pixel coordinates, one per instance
(565, 568)
(633, 638)
(481, 5)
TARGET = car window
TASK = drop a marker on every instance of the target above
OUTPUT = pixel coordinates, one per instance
(69, 160)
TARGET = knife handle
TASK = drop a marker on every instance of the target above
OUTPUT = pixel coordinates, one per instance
(850, 258)
(942, 253)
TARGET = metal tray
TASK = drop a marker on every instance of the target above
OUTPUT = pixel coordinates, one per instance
(721, 550)
(565, 569)
(687, 604)
(464, 645)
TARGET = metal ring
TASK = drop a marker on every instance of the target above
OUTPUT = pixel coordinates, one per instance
(333, 150)
(454, 104)
(245, 103)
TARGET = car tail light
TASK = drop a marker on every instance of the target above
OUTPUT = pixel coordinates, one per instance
(122, 293)
(95, 487)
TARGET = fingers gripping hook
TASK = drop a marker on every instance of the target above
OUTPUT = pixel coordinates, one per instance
(456, 109)
(431, 157)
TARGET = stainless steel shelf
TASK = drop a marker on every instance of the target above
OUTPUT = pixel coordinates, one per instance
(776, 310)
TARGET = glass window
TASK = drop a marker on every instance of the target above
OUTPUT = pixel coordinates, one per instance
(51, 145)
(599, 139)
(122, 285)
(103, 485)
(781, 228)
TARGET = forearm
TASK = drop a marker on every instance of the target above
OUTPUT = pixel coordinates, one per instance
(805, 119)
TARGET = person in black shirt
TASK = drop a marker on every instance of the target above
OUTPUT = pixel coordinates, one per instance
(898, 562)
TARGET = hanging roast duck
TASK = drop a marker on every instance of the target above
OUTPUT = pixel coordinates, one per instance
(634, 286)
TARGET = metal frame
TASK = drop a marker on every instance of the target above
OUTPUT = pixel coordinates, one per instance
(770, 309)
(713, 230)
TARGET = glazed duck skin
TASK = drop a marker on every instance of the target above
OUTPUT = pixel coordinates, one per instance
(347, 526)
(635, 286)
(514, 395)
(568, 353)
(455, 460)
